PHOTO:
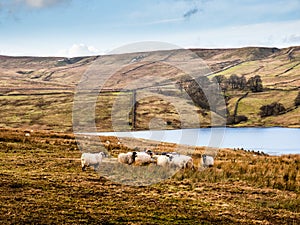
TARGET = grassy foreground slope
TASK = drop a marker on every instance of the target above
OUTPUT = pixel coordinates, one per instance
(42, 183)
(37, 92)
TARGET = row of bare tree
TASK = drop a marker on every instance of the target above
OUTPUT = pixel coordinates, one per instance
(240, 83)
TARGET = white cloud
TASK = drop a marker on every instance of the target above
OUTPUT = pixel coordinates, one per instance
(40, 3)
(292, 39)
(79, 50)
(174, 20)
(276, 34)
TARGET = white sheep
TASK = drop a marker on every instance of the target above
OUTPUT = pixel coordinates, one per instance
(163, 160)
(182, 161)
(126, 158)
(136, 158)
(207, 161)
(91, 159)
(142, 158)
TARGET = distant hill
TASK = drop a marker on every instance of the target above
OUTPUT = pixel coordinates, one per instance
(37, 92)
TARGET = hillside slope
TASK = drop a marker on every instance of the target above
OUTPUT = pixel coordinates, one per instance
(37, 92)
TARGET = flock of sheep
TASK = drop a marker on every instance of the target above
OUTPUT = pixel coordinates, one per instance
(167, 159)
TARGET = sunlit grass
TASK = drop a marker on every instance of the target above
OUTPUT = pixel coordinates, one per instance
(42, 183)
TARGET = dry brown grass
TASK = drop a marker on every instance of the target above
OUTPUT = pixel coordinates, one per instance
(42, 183)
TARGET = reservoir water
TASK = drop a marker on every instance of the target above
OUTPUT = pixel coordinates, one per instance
(273, 141)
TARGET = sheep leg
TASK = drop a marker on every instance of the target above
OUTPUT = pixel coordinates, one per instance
(96, 167)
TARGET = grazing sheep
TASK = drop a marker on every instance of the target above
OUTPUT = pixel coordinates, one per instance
(126, 158)
(207, 161)
(91, 159)
(27, 133)
(163, 160)
(182, 161)
(142, 158)
(138, 158)
(149, 152)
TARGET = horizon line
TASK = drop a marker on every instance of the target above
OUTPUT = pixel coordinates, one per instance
(189, 48)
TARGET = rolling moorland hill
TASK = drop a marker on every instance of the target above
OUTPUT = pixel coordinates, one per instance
(41, 177)
(38, 92)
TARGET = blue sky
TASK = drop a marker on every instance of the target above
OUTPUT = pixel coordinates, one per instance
(84, 27)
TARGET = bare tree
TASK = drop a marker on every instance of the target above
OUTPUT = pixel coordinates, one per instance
(273, 109)
(255, 84)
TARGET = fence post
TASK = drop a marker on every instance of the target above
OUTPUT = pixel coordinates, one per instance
(134, 109)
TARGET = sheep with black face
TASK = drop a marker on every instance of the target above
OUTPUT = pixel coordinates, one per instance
(207, 160)
(127, 158)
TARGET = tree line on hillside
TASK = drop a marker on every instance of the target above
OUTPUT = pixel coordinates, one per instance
(235, 82)
(273, 109)
(276, 108)
(206, 94)
(198, 90)
(201, 91)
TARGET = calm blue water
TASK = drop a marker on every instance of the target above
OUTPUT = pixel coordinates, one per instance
(274, 141)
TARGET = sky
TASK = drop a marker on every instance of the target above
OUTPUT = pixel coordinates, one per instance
(71, 28)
